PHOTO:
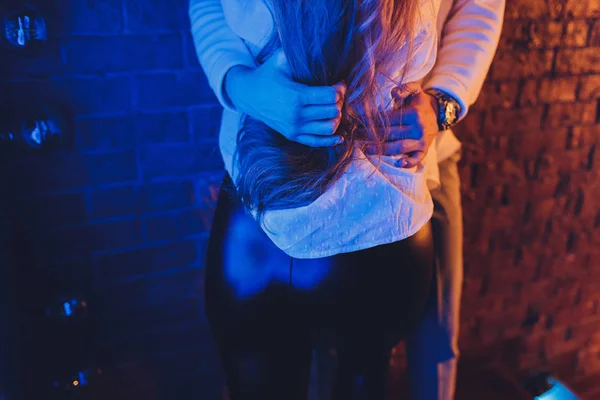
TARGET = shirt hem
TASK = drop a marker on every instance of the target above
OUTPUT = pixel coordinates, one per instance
(361, 246)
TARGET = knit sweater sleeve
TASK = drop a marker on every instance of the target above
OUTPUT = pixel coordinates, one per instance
(469, 40)
(218, 48)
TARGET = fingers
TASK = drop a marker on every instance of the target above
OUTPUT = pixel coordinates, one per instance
(400, 132)
(408, 106)
(318, 112)
(404, 132)
(411, 160)
(410, 116)
(320, 115)
(341, 88)
(323, 127)
(407, 115)
(402, 147)
(397, 147)
(323, 95)
(319, 141)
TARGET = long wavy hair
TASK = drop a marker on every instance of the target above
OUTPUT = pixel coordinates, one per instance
(325, 41)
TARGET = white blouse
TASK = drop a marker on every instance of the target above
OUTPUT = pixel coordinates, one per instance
(367, 206)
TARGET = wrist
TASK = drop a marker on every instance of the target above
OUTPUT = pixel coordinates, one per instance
(235, 79)
(434, 104)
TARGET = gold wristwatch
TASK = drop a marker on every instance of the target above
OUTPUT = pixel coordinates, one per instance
(449, 109)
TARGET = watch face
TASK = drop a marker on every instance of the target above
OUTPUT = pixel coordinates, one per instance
(450, 112)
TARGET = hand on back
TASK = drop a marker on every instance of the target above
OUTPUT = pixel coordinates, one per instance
(414, 126)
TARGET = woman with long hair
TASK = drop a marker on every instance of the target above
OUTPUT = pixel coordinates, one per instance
(320, 230)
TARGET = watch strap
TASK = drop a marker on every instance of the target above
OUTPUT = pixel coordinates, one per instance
(444, 100)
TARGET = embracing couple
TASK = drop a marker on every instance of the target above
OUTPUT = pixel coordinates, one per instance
(339, 222)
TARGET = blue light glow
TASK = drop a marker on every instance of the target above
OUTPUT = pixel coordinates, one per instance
(82, 378)
(67, 309)
(557, 392)
(252, 261)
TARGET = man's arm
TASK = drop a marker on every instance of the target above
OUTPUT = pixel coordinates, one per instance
(469, 41)
(218, 48)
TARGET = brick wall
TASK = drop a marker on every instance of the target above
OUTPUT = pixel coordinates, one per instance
(120, 215)
(122, 212)
(530, 189)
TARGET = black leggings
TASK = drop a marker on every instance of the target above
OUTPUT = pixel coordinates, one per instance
(266, 309)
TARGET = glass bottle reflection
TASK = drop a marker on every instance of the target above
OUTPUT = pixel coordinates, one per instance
(33, 133)
(68, 309)
(24, 30)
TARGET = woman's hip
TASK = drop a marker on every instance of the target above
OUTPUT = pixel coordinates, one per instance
(247, 275)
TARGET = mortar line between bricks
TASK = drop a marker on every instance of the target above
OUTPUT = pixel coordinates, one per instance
(53, 193)
(165, 71)
(137, 32)
(97, 152)
(590, 31)
(152, 275)
(101, 220)
(138, 165)
(123, 184)
(520, 85)
(190, 124)
(205, 106)
(133, 97)
(79, 189)
(194, 68)
(172, 145)
(81, 77)
(176, 145)
(92, 222)
(578, 89)
(63, 56)
(103, 75)
(91, 151)
(124, 16)
(129, 34)
(172, 108)
(165, 179)
(553, 71)
(163, 329)
(198, 238)
(143, 112)
(88, 202)
(184, 51)
(150, 244)
(143, 228)
(175, 211)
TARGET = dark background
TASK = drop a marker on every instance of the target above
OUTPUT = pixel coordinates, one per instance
(120, 214)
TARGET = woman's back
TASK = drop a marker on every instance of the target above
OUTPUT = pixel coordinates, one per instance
(367, 206)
